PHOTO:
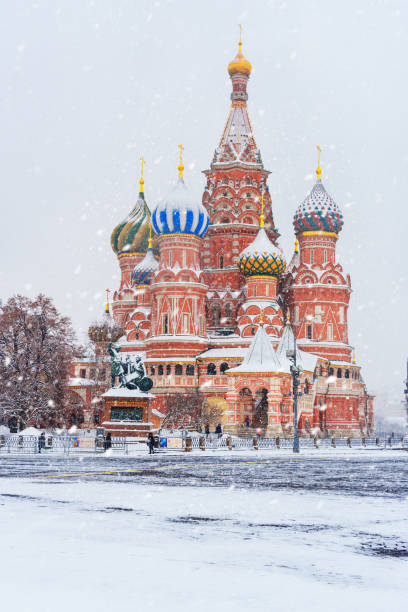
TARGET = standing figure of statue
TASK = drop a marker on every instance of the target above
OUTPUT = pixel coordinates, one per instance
(117, 367)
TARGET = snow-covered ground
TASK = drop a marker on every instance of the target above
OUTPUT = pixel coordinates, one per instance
(205, 532)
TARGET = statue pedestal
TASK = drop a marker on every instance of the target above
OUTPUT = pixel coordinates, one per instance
(128, 412)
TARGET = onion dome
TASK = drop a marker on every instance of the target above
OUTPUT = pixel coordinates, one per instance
(262, 257)
(318, 212)
(179, 213)
(132, 235)
(105, 329)
(239, 65)
(144, 271)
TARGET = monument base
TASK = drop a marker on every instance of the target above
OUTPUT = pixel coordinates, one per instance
(129, 413)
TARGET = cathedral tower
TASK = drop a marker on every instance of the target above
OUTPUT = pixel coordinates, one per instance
(232, 197)
(178, 326)
(317, 292)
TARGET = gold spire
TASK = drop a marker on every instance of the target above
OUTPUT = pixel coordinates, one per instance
(107, 301)
(239, 64)
(181, 167)
(141, 182)
(262, 217)
(353, 360)
(150, 242)
(261, 322)
(296, 246)
(318, 169)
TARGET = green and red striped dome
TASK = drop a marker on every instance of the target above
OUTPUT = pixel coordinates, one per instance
(132, 235)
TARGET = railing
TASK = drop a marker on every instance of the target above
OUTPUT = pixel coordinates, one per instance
(75, 445)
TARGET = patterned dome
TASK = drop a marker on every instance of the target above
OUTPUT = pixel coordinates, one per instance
(318, 212)
(262, 258)
(144, 271)
(132, 235)
(180, 214)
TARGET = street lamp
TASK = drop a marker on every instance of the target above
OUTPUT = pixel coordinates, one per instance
(295, 370)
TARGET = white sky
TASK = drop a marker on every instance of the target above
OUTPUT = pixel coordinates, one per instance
(89, 87)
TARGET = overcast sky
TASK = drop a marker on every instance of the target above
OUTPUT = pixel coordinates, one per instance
(89, 87)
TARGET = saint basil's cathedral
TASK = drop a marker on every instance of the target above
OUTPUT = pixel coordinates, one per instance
(209, 302)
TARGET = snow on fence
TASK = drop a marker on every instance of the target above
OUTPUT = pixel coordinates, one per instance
(77, 445)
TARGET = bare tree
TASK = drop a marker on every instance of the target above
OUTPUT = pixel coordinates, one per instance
(37, 346)
(190, 410)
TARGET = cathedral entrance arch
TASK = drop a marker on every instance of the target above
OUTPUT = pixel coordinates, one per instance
(246, 406)
(261, 409)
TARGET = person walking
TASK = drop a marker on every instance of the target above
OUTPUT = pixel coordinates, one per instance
(150, 443)
(207, 429)
(41, 442)
(108, 440)
(218, 430)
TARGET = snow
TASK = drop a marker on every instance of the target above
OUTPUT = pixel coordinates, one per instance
(81, 382)
(220, 353)
(260, 356)
(229, 543)
(123, 392)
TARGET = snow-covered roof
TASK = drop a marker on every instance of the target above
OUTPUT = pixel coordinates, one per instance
(286, 343)
(260, 356)
(170, 360)
(76, 381)
(158, 413)
(223, 353)
(123, 392)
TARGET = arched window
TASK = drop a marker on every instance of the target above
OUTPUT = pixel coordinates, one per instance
(160, 370)
(166, 324)
(321, 371)
(211, 369)
(223, 368)
(168, 370)
(228, 311)
(190, 370)
(331, 371)
(216, 314)
(347, 374)
(338, 372)
(253, 331)
(309, 332)
(221, 261)
(152, 371)
(225, 220)
(179, 369)
(306, 387)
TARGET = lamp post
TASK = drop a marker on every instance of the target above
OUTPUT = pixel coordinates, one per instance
(295, 371)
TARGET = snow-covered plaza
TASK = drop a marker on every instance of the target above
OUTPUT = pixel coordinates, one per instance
(252, 531)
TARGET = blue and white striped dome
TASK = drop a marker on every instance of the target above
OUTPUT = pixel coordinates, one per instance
(144, 271)
(180, 214)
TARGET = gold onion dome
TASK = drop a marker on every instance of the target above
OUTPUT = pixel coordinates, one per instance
(239, 65)
(262, 257)
(132, 234)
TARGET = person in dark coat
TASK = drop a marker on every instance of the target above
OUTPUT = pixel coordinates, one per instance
(247, 422)
(218, 430)
(108, 441)
(41, 442)
(207, 429)
(150, 443)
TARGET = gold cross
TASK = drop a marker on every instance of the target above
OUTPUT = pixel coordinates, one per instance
(240, 36)
(141, 182)
(318, 169)
(107, 300)
(181, 167)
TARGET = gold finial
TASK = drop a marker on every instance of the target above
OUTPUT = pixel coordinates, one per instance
(240, 38)
(261, 322)
(296, 246)
(353, 360)
(107, 301)
(150, 242)
(141, 182)
(318, 169)
(262, 217)
(181, 167)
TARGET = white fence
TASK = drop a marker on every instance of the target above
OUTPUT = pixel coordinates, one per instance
(76, 445)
